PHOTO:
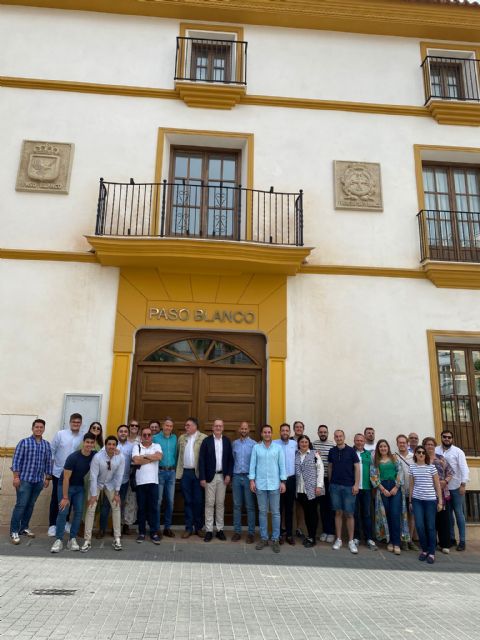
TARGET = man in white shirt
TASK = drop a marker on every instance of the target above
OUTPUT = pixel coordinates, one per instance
(146, 455)
(189, 444)
(369, 435)
(65, 442)
(106, 474)
(457, 485)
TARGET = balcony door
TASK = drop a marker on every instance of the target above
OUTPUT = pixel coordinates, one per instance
(203, 196)
(210, 61)
(452, 203)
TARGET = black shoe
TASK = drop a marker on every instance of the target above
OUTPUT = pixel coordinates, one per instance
(220, 535)
(461, 546)
(309, 543)
(208, 536)
(453, 542)
(140, 538)
(155, 538)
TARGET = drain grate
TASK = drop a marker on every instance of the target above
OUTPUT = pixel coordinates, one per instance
(54, 592)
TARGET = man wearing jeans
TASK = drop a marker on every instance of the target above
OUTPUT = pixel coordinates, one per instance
(166, 473)
(287, 500)
(32, 471)
(71, 491)
(189, 445)
(242, 453)
(457, 486)
(147, 455)
(267, 479)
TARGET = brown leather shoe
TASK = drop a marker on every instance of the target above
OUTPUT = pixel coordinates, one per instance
(186, 534)
(236, 537)
(100, 534)
(168, 533)
(250, 538)
(290, 540)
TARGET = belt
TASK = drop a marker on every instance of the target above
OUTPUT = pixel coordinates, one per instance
(167, 468)
(218, 472)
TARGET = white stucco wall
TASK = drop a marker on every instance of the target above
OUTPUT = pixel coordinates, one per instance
(56, 336)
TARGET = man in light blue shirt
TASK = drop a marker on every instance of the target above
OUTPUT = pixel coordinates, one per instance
(287, 500)
(267, 479)
(166, 473)
(242, 453)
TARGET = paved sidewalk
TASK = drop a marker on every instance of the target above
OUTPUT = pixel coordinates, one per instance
(186, 590)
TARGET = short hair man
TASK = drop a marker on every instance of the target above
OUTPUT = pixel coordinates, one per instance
(323, 446)
(267, 479)
(215, 466)
(166, 473)
(65, 442)
(344, 476)
(242, 453)
(363, 515)
(369, 435)
(148, 456)
(106, 474)
(457, 485)
(154, 427)
(189, 444)
(32, 472)
(287, 499)
(413, 441)
(125, 447)
(71, 491)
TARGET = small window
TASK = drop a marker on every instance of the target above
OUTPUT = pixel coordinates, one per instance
(200, 351)
(451, 75)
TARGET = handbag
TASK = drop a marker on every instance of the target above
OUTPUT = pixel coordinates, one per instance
(133, 473)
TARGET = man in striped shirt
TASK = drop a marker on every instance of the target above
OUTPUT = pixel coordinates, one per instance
(323, 446)
(32, 471)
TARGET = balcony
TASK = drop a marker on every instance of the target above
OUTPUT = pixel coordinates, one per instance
(450, 247)
(211, 73)
(452, 92)
(223, 227)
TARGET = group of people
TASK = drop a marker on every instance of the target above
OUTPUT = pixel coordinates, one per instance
(380, 495)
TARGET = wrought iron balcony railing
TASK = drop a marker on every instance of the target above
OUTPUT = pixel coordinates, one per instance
(449, 78)
(460, 413)
(449, 235)
(211, 60)
(213, 211)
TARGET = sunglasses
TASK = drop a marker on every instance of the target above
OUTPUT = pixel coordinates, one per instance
(446, 437)
(109, 465)
(420, 453)
(146, 435)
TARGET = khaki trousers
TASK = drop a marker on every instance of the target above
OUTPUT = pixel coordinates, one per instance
(215, 499)
(116, 514)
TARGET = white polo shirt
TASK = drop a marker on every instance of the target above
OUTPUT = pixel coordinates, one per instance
(148, 473)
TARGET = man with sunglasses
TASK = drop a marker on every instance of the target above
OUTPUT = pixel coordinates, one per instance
(147, 454)
(106, 475)
(457, 485)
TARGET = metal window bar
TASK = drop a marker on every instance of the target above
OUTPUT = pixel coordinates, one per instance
(187, 209)
(449, 235)
(450, 78)
(460, 414)
(211, 60)
(472, 504)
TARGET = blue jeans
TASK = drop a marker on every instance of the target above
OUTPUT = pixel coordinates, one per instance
(269, 501)
(393, 511)
(363, 514)
(105, 508)
(193, 498)
(76, 495)
(242, 495)
(166, 488)
(27, 494)
(425, 512)
(457, 505)
(147, 503)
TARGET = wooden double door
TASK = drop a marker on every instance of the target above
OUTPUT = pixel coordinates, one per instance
(207, 375)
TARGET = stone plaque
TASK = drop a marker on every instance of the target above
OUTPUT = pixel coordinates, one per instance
(358, 186)
(45, 167)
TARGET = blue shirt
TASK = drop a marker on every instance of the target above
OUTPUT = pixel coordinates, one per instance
(242, 452)
(289, 449)
(169, 449)
(343, 463)
(267, 467)
(32, 460)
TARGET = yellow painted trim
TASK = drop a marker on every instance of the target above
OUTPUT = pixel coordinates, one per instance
(462, 114)
(56, 256)
(347, 270)
(432, 334)
(473, 463)
(383, 17)
(182, 255)
(453, 275)
(209, 95)
(246, 99)
(117, 409)
(7, 452)
(198, 26)
(276, 394)
(425, 45)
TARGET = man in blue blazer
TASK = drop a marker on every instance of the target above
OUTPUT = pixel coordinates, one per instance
(215, 468)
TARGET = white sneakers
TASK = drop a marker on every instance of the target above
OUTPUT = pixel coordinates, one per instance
(15, 538)
(330, 539)
(57, 546)
(371, 545)
(86, 546)
(352, 546)
(27, 532)
(117, 544)
(356, 541)
(323, 537)
(337, 544)
(73, 545)
(52, 531)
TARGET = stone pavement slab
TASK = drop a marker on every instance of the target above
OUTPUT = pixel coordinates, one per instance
(190, 590)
